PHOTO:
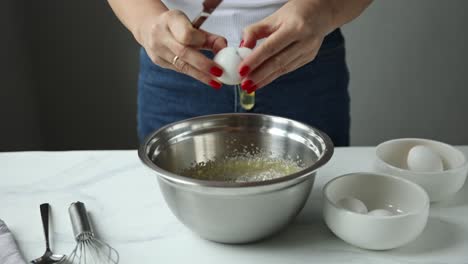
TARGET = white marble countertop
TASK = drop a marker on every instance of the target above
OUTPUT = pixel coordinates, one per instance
(129, 212)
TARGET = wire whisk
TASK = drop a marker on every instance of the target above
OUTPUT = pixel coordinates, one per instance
(89, 249)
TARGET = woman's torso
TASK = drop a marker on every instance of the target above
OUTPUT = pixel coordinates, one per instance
(315, 94)
(231, 17)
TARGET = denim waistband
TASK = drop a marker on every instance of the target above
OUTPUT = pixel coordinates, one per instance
(333, 40)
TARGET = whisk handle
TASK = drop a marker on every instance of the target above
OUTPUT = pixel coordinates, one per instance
(79, 219)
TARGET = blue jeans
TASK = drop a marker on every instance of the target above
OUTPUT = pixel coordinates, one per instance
(315, 94)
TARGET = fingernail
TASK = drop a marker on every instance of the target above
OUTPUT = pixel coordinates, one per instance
(246, 85)
(252, 89)
(216, 71)
(244, 70)
(216, 85)
(241, 43)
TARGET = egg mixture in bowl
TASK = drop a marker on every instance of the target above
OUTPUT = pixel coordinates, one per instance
(244, 167)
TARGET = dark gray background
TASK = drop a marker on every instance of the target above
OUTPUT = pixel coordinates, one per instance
(68, 72)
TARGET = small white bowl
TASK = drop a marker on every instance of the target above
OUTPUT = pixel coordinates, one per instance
(391, 157)
(406, 199)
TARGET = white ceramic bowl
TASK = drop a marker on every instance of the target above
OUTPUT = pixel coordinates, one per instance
(391, 159)
(406, 199)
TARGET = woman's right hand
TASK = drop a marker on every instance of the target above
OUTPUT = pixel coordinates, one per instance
(171, 34)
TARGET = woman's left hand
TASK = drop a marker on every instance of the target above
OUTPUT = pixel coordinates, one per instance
(293, 35)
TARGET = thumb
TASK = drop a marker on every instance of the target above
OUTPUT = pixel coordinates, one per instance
(255, 32)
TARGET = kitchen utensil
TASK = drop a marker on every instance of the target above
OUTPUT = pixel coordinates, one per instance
(391, 158)
(234, 212)
(398, 210)
(48, 256)
(89, 249)
(208, 7)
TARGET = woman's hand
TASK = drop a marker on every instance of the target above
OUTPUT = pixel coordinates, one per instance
(293, 35)
(172, 42)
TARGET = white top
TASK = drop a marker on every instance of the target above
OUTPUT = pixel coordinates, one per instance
(231, 16)
(128, 211)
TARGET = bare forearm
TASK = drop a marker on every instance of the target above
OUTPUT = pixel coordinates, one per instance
(344, 11)
(132, 13)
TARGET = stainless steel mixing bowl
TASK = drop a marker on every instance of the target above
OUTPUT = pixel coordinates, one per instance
(231, 212)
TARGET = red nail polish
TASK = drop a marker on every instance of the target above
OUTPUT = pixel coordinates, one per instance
(244, 70)
(252, 89)
(216, 71)
(241, 44)
(216, 85)
(246, 85)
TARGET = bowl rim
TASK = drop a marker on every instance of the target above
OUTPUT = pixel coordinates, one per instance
(178, 179)
(419, 211)
(461, 167)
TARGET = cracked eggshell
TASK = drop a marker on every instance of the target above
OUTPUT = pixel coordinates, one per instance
(244, 52)
(229, 59)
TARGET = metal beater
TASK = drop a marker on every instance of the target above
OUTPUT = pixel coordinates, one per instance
(89, 249)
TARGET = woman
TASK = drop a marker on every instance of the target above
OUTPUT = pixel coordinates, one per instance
(298, 65)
